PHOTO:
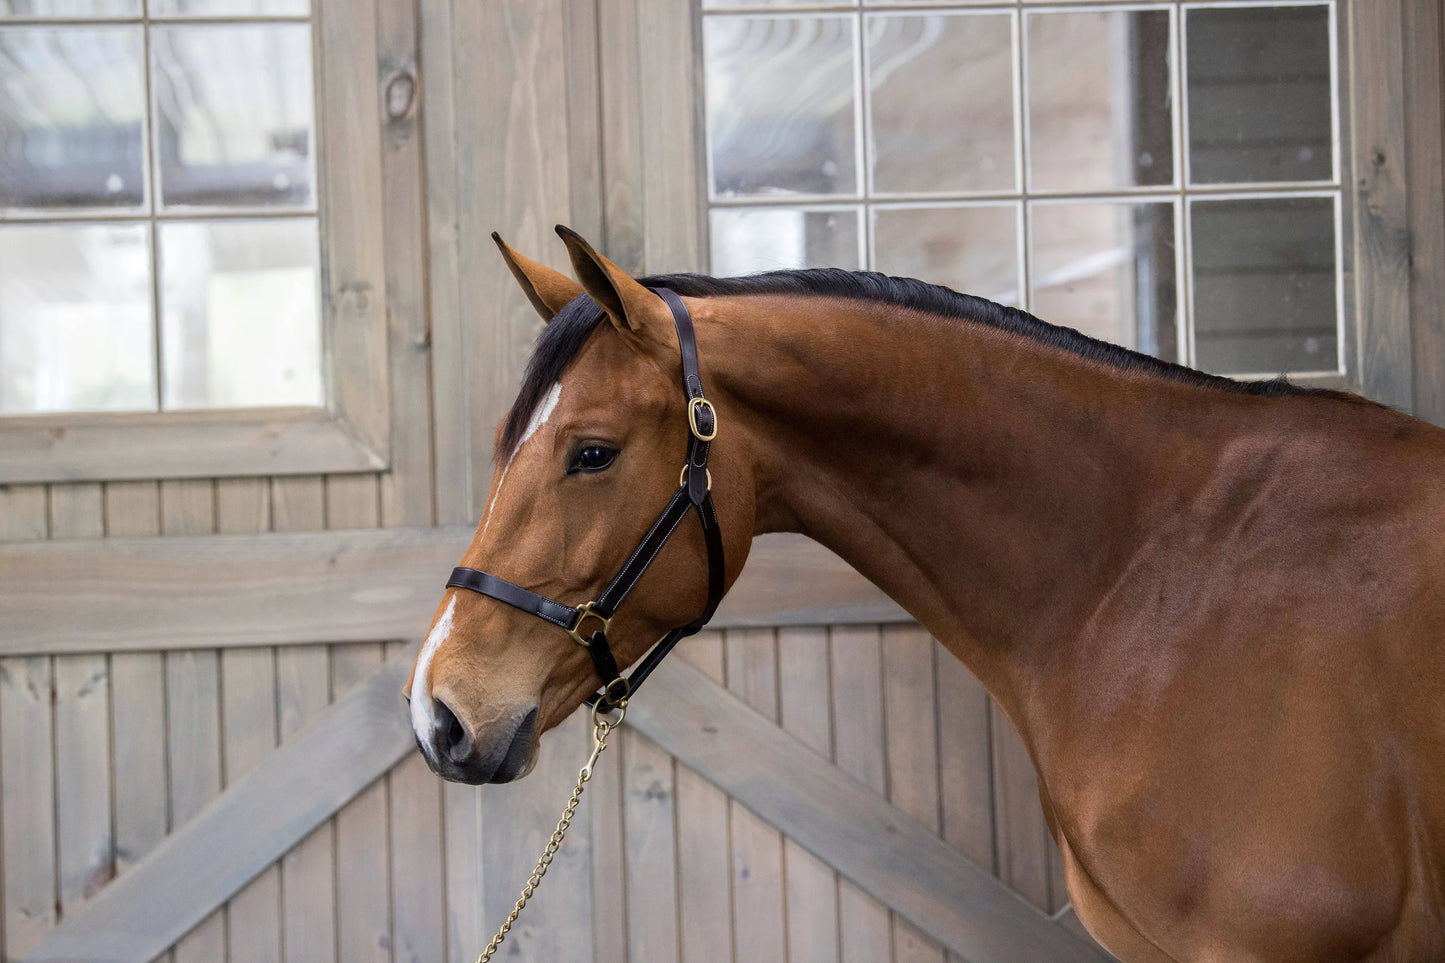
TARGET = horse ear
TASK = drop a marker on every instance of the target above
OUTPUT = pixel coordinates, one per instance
(548, 290)
(632, 307)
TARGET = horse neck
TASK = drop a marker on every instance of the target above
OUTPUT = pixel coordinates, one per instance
(994, 486)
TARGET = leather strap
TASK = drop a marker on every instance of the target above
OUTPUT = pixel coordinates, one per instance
(693, 494)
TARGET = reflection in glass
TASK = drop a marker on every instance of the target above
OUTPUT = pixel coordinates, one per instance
(61, 9)
(1259, 94)
(1265, 285)
(240, 314)
(748, 240)
(229, 8)
(780, 104)
(941, 102)
(1099, 100)
(972, 249)
(72, 117)
(235, 124)
(1108, 269)
(75, 319)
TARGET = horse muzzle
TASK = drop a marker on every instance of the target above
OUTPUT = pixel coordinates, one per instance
(455, 752)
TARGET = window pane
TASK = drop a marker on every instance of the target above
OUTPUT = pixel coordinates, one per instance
(72, 113)
(229, 8)
(747, 240)
(1108, 270)
(75, 319)
(235, 124)
(1259, 94)
(942, 102)
(240, 314)
(1099, 100)
(780, 104)
(970, 249)
(70, 8)
(1264, 285)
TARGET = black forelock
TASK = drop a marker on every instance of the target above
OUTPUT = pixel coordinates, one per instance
(562, 339)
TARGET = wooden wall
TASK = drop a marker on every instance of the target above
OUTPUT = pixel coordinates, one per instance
(102, 754)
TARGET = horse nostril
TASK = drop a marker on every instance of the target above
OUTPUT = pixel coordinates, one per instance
(449, 735)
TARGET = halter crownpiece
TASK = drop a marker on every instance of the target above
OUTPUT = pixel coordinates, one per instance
(694, 493)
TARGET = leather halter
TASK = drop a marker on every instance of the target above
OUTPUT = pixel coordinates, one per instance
(694, 493)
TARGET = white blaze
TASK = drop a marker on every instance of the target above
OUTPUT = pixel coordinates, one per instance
(539, 418)
(421, 714)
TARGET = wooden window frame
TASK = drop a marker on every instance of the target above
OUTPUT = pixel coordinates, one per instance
(351, 432)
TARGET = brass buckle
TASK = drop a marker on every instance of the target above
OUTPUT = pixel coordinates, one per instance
(682, 478)
(692, 407)
(584, 612)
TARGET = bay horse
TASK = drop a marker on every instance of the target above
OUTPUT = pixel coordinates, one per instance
(1214, 610)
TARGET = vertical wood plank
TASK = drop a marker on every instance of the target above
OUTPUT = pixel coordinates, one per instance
(803, 700)
(759, 931)
(621, 108)
(856, 664)
(451, 415)
(363, 878)
(467, 919)
(965, 760)
(1424, 131)
(303, 691)
(193, 718)
(1023, 838)
(27, 801)
(138, 702)
(673, 191)
(243, 506)
(704, 874)
(650, 815)
(910, 726)
(84, 850)
(1382, 215)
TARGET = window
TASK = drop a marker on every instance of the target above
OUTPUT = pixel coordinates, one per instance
(1162, 175)
(164, 239)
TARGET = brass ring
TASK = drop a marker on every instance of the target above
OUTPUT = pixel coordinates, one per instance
(584, 612)
(682, 478)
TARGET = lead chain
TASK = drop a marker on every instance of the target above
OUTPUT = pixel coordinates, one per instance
(600, 730)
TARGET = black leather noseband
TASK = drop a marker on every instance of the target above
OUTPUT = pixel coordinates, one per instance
(694, 493)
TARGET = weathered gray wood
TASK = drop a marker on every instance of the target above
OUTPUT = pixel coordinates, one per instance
(1381, 203)
(1023, 839)
(669, 77)
(186, 444)
(910, 727)
(240, 833)
(812, 886)
(649, 793)
(704, 885)
(27, 801)
(865, 931)
(336, 586)
(846, 824)
(1424, 131)
(363, 886)
(759, 927)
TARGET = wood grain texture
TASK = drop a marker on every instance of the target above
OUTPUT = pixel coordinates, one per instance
(1381, 202)
(845, 823)
(242, 832)
(1424, 31)
(670, 88)
(855, 661)
(467, 920)
(27, 802)
(623, 172)
(363, 882)
(704, 874)
(1023, 838)
(910, 726)
(338, 586)
(803, 703)
(649, 791)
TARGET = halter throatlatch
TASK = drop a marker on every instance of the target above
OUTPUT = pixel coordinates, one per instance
(589, 623)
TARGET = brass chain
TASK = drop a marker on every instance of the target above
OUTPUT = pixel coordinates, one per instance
(600, 730)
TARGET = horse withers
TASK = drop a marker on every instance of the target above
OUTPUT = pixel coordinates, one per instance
(1214, 610)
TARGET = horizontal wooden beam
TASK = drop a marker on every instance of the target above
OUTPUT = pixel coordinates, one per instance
(252, 824)
(122, 594)
(244, 830)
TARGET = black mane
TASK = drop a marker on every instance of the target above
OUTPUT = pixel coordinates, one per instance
(562, 339)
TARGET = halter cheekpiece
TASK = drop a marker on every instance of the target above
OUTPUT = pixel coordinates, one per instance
(694, 493)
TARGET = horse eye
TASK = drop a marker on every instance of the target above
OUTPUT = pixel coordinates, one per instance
(592, 458)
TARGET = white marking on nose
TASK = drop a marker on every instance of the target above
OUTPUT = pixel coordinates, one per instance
(539, 418)
(421, 711)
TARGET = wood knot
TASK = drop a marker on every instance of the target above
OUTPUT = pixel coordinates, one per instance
(400, 95)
